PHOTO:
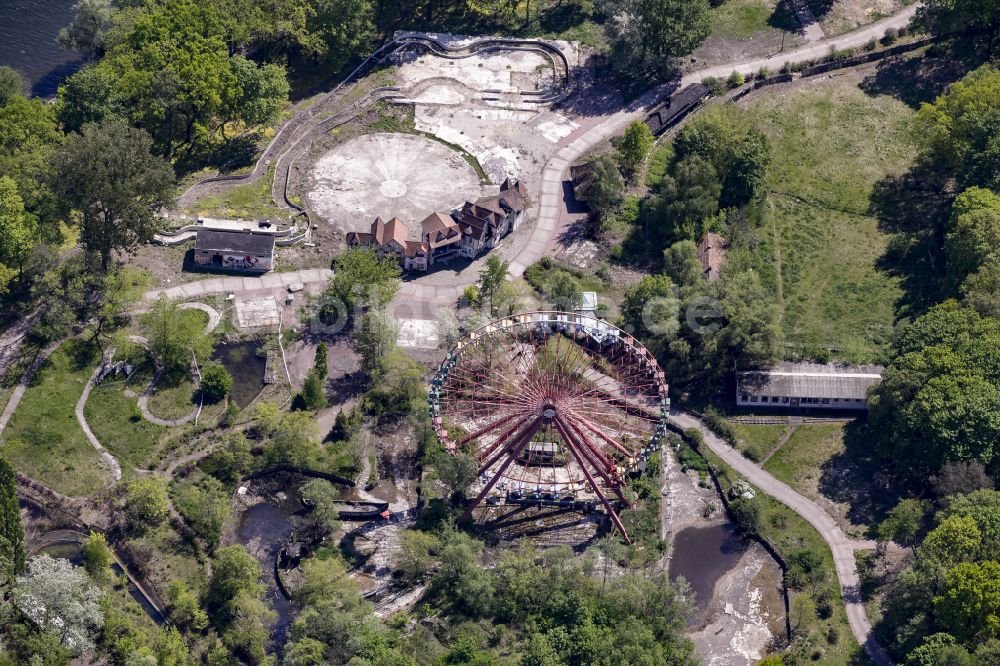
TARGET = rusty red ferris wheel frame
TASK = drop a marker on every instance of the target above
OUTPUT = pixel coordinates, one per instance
(551, 402)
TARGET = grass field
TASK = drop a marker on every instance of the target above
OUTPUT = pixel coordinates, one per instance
(830, 144)
(757, 441)
(117, 422)
(816, 462)
(43, 439)
(173, 399)
(737, 19)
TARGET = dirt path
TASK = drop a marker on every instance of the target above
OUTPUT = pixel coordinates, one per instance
(840, 545)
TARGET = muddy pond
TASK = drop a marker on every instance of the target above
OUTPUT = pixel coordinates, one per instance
(245, 366)
(703, 555)
(264, 528)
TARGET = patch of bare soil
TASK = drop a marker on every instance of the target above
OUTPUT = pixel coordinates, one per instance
(846, 15)
(720, 50)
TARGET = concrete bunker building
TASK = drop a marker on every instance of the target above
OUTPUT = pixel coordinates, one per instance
(231, 249)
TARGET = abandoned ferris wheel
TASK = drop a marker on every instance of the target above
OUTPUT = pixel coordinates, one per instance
(555, 408)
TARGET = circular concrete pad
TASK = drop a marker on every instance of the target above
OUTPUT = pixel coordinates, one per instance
(389, 175)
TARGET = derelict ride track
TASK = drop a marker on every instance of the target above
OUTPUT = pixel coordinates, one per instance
(551, 404)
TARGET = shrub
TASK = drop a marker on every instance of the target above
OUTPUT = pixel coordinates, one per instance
(890, 36)
(471, 294)
(763, 74)
(714, 85)
(871, 44)
(216, 382)
(313, 392)
(735, 80)
(824, 603)
(322, 354)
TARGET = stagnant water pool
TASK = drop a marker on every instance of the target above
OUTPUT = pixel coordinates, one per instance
(246, 368)
(702, 555)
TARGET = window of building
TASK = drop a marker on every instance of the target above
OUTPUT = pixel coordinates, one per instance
(753, 398)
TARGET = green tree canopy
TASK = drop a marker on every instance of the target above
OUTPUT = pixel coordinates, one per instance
(685, 199)
(11, 84)
(11, 528)
(633, 147)
(362, 280)
(969, 606)
(607, 190)
(646, 36)
(109, 176)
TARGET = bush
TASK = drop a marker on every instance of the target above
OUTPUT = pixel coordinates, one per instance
(890, 36)
(313, 392)
(320, 364)
(735, 80)
(714, 85)
(824, 603)
(216, 382)
(871, 44)
(471, 294)
(763, 74)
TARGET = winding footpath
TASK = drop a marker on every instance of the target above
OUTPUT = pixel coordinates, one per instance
(841, 547)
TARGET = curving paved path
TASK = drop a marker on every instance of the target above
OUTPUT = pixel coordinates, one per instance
(112, 462)
(842, 547)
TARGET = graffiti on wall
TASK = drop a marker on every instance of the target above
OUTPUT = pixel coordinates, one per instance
(246, 262)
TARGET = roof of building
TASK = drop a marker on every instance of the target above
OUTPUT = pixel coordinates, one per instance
(810, 380)
(492, 204)
(440, 229)
(711, 254)
(393, 230)
(514, 185)
(359, 238)
(588, 301)
(237, 242)
(415, 249)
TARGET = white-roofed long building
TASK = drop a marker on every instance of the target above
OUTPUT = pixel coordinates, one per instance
(813, 385)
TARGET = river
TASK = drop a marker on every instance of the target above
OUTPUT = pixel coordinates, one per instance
(28, 30)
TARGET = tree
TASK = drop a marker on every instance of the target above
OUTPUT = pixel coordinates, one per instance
(145, 503)
(58, 597)
(248, 629)
(184, 609)
(234, 571)
(456, 471)
(374, 339)
(685, 199)
(903, 522)
(321, 362)
(973, 234)
(681, 263)
(958, 130)
(89, 96)
(957, 539)
(633, 147)
(959, 478)
(293, 441)
(747, 179)
(563, 291)
(940, 650)
(647, 35)
(11, 527)
(493, 275)
(417, 554)
(11, 84)
(362, 280)
(746, 513)
(84, 32)
(321, 495)
(969, 606)
(650, 310)
(109, 175)
(259, 93)
(305, 652)
(97, 557)
(607, 190)
(772, 660)
(982, 289)
(314, 392)
(216, 382)
(174, 338)
(948, 16)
